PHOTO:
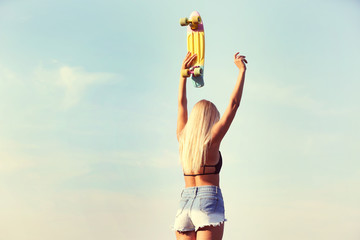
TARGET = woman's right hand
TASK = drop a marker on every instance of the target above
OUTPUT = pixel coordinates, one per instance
(188, 61)
(240, 61)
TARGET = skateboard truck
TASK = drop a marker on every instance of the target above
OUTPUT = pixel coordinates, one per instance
(193, 21)
(196, 71)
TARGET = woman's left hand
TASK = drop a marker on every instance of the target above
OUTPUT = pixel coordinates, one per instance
(188, 61)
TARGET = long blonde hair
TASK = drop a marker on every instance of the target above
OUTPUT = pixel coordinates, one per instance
(195, 138)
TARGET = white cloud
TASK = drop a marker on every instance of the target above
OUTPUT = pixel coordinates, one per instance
(24, 100)
(73, 80)
(10, 159)
(6, 74)
(54, 81)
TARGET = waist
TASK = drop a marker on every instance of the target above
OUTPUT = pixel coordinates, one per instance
(206, 190)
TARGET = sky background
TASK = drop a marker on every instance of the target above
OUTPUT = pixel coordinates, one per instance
(88, 108)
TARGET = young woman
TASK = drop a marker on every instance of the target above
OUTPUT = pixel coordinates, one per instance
(201, 213)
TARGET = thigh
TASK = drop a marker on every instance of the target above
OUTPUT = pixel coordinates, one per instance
(190, 235)
(210, 233)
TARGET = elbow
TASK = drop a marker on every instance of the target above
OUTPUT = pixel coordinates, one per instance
(235, 104)
(182, 101)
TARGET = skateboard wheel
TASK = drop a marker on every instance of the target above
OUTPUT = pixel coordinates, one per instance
(197, 72)
(185, 73)
(184, 21)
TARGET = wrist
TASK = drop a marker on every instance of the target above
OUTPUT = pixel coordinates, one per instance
(242, 71)
(182, 78)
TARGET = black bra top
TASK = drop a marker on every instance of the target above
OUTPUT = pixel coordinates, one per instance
(217, 168)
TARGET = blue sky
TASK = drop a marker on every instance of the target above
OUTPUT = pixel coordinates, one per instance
(88, 104)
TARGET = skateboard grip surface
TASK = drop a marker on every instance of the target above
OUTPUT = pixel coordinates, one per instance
(196, 45)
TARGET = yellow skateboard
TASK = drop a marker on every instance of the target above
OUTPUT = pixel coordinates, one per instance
(195, 45)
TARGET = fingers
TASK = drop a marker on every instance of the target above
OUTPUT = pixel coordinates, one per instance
(193, 57)
(188, 56)
(189, 60)
(240, 57)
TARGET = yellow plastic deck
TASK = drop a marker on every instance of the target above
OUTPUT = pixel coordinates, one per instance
(196, 45)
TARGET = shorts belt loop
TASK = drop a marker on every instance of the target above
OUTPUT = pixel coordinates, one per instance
(216, 189)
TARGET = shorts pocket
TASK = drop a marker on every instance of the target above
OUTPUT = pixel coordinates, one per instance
(208, 204)
(182, 204)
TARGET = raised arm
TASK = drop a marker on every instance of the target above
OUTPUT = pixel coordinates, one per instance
(182, 100)
(220, 128)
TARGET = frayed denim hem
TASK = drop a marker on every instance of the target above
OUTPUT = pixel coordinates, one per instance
(197, 228)
(211, 224)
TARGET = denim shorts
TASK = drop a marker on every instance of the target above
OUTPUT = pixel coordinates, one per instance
(199, 207)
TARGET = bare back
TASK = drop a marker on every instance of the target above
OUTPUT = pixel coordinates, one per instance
(211, 179)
